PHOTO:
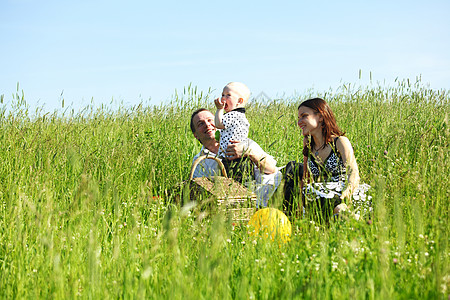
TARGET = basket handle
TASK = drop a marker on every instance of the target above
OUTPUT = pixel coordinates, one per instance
(202, 157)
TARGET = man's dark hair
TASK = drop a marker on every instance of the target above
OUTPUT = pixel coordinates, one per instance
(193, 115)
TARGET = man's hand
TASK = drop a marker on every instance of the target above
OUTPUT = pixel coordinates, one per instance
(264, 162)
(235, 150)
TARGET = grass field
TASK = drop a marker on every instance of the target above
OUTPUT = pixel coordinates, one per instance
(85, 213)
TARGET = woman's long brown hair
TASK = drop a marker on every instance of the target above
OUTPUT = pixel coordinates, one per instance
(329, 126)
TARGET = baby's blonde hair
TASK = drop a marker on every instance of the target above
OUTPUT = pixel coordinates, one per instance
(242, 89)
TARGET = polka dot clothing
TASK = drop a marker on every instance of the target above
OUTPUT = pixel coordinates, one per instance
(236, 128)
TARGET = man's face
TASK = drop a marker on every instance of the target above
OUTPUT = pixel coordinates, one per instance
(204, 126)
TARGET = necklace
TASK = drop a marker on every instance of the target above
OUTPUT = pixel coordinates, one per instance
(318, 149)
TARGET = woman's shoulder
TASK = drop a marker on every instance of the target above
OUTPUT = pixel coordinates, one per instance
(343, 144)
(342, 139)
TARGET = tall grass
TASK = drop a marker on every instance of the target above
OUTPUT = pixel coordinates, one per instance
(86, 212)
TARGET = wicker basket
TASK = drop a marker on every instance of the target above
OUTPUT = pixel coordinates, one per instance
(230, 195)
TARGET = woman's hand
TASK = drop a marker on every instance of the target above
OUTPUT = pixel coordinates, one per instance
(346, 195)
(340, 208)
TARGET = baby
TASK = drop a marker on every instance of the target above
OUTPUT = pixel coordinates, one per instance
(234, 124)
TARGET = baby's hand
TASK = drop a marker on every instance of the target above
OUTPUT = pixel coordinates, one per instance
(218, 103)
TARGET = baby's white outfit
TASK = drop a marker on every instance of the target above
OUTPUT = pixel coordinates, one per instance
(236, 128)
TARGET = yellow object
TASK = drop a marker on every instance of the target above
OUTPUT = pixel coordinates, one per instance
(271, 223)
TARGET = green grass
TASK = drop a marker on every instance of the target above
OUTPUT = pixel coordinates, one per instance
(86, 212)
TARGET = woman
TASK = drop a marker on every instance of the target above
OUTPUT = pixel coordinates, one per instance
(331, 175)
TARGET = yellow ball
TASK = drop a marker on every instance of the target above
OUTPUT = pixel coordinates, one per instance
(271, 223)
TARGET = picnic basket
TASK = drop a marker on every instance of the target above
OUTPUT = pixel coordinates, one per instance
(230, 196)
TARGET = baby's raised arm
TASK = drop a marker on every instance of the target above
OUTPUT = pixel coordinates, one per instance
(218, 118)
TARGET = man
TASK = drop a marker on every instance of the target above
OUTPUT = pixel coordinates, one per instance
(266, 174)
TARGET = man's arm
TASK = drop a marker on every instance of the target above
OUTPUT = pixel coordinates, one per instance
(265, 162)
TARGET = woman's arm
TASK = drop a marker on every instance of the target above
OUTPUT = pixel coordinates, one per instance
(345, 148)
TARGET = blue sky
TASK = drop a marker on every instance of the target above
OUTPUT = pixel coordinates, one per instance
(133, 51)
